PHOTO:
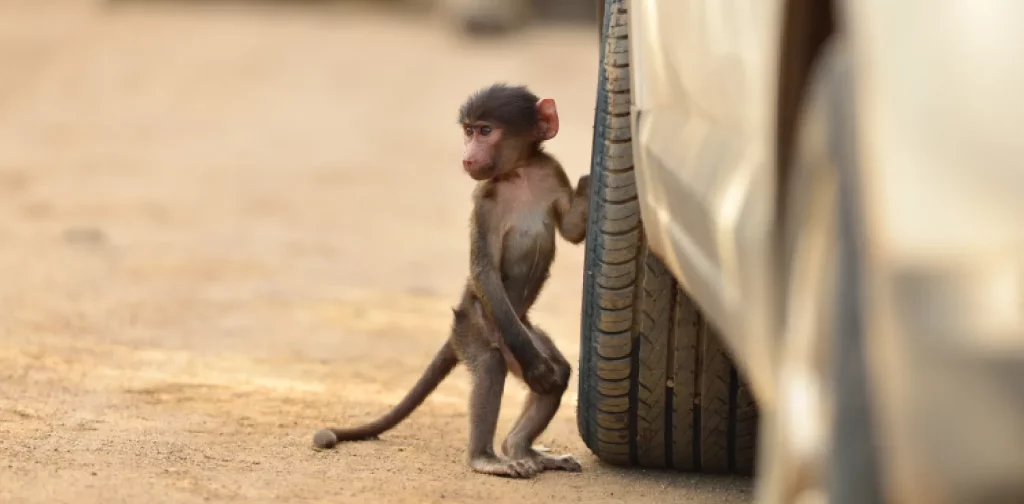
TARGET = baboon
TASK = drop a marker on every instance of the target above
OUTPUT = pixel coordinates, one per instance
(522, 198)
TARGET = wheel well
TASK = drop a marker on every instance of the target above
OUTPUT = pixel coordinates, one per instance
(807, 24)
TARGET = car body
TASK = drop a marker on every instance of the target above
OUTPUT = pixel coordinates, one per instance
(854, 239)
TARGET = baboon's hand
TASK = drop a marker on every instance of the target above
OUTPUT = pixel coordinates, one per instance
(543, 377)
(583, 185)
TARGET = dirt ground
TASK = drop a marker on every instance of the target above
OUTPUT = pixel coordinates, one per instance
(222, 229)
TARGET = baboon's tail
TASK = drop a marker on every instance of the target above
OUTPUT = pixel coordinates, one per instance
(444, 362)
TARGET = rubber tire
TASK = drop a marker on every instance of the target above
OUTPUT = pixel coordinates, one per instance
(657, 388)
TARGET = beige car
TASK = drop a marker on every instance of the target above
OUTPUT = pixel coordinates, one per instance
(806, 253)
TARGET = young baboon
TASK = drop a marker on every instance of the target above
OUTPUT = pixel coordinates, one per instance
(522, 198)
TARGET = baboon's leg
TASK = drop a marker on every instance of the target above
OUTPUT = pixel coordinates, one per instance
(487, 369)
(537, 414)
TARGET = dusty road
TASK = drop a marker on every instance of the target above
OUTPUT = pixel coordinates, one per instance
(222, 230)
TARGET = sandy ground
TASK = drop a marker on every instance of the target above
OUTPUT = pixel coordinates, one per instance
(221, 230)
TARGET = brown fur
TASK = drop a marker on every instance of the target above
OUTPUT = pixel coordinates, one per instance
(522, 199)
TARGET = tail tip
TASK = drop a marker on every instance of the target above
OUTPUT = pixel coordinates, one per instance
(324, 439)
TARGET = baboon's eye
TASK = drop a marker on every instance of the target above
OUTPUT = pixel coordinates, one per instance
(485, 130)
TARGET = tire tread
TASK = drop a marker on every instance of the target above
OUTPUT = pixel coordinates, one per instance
(657, 388)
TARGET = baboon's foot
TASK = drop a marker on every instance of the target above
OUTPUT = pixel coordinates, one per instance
(497, 466)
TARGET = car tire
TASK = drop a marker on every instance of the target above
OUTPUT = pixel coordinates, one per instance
(657, 387)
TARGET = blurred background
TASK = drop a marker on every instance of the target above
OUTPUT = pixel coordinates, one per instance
(227, 224)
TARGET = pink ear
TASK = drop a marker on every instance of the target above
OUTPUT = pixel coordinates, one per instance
(547, 116)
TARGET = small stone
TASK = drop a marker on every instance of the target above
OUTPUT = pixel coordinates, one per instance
(85, 236)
